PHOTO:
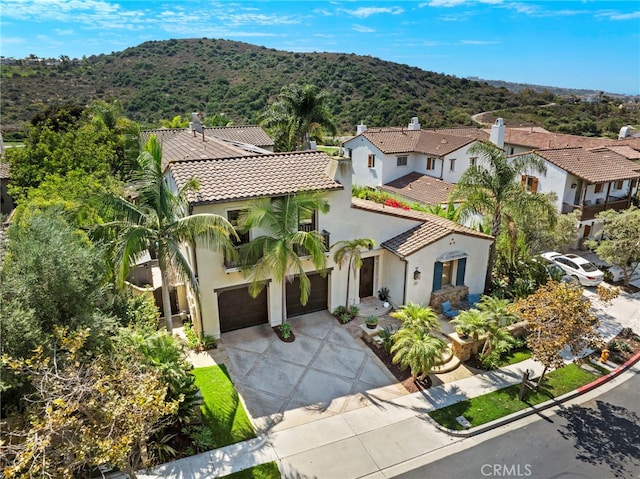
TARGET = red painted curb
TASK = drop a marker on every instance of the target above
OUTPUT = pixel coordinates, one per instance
(603, 379)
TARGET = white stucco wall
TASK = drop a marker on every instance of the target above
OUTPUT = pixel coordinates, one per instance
(362, 174)
(419, 291)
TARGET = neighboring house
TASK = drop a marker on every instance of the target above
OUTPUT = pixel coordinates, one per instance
(419, 257)
(198, 141)
(523, 139)
(588, 180)
(6, 202)
(416, 187)
(381, 156)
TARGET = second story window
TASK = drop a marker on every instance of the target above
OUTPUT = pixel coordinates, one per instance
(401, 161)
(598, 188)
(452, 164)
(472, 161)
(618, 185)
(530, 183)
(233, 216)
(371, 160)
(307, 221)
(431, 163)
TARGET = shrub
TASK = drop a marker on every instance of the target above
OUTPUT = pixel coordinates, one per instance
(353, 311)
(198, 343)
(285, 329)
(386, 334)
(345, 317)
(383, 294)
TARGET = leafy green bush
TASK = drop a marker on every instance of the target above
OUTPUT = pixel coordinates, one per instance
(386, 334)
(196, 342)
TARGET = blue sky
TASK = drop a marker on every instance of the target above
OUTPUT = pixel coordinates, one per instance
(577, 44)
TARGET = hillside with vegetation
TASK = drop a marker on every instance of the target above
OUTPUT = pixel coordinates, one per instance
(161, 79)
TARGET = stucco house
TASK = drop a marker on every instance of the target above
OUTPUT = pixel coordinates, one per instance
(587, 180)
(421, 165)
(420, 258)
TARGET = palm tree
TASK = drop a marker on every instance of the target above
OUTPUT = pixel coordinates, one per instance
(159, 221)
(492, 187)
(416, 348)
(300, 109)
(277, 253)
(415, 315)
(497, 310)
(350, 251)
(473, 322)
(450, 212)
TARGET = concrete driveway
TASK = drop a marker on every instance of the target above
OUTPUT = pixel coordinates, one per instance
(324, 372)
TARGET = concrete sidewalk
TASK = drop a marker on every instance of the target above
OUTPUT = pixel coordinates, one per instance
(365, 441)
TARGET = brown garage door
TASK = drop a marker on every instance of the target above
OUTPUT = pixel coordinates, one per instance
(237, 309)
(317, 296)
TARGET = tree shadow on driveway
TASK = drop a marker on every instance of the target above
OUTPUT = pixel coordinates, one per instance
(605, 435)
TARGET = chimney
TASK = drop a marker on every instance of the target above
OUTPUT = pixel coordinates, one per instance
(361, 128)
(414, 125)
(497, 133)
(195, 124)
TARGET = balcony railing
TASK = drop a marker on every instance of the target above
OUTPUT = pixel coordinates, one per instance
(590, 211)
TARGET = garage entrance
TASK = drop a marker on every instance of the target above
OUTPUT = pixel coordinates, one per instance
(317, 296)
(237, 309)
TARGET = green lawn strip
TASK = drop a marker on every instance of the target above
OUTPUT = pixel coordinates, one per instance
(515, 356)
(268, 470)
(329, 150)
(483, 409)
(222, 411)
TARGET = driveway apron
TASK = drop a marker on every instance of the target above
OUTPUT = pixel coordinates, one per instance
(324, 372)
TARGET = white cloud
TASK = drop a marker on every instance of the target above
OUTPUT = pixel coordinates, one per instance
(364, 12)
(64, 32)
(621, 16)
(479, 42)
(445, 3)
(362, 29)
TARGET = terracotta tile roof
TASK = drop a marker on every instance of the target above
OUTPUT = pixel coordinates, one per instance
(251, 134)
(593, 166)
(401, 140)
(633, 142)
(181, 144)
(537, 139)
(477, 133)
(432, 229)
(238, 178)
(4, 170)
(624, 150)
(422, 188)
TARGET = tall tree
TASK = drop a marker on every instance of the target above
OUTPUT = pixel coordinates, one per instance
(559, 317)
(159, 221)
(349, 251)
(278, 252)
(620, 244)
(299, 110)
(492, 188)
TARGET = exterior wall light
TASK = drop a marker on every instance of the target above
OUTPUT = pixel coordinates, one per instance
(416, 274)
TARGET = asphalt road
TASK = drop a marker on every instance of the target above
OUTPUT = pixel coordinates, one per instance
(598, 439)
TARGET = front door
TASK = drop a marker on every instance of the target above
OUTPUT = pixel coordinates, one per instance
(366, 277)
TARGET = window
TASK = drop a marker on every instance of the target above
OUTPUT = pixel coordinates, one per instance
(401, 161)
(431, 163)
(511, 151)
(618, 185)
(449, 273)
(530, 183)
(371, 160)
(233, 216)
(473, 160)
(349, 152)
(598, 188)
(307, 221)
(452, 164)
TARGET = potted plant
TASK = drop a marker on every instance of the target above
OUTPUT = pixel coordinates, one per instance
(383, 294)
(463, 332)
(371, 322)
